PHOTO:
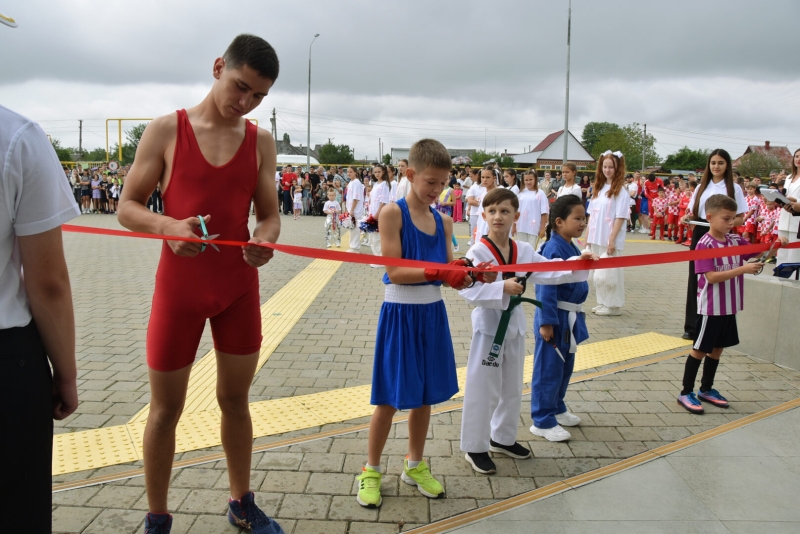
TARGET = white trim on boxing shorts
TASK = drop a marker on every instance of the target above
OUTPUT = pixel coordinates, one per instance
(700, 334)
(405, 294)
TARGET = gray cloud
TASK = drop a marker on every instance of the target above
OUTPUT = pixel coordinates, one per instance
(724, 67)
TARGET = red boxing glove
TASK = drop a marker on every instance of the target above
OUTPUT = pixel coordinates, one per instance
(451, 278)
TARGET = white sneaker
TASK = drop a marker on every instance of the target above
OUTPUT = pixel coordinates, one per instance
(597, 308)
(328, 245)
(568, 419)
(375, 265)
(608, 311)
(455, 248)
(643, 231)
(551, 434)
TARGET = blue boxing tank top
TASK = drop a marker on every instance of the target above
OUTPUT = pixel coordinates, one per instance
(418, 245)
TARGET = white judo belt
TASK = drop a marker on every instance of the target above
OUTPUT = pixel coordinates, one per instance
(574, 310)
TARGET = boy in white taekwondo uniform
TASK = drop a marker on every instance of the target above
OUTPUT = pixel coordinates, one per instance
(494, 384)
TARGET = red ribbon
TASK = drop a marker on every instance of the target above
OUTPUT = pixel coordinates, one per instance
(638, 260)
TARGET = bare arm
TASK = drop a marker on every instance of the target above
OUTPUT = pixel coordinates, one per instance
(748, 268)
(48, 288)
(144, 176)
(268, 221)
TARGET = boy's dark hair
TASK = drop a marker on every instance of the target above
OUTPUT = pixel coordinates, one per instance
(720, 202)
(561, 209)
(254, 52)
(692, 185)
(500, 194)
(660, 189)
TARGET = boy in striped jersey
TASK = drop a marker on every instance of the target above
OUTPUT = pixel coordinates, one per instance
(720, 296)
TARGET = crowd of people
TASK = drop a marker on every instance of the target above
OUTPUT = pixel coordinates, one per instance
(97, 189)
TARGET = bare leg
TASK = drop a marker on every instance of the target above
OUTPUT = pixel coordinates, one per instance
(167, 396)
(379, 427)
(234, 377)
(418, 421)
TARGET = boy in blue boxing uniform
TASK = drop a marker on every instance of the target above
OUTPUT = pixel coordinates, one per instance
(414, 363)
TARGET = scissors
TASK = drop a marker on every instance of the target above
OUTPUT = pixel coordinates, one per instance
(205, 235)
(763, 257)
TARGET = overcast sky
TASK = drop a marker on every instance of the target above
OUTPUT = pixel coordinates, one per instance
(700, 73)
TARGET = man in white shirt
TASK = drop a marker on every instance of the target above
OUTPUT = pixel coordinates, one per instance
(37, 325)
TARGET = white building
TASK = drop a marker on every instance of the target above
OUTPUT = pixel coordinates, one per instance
(549, 154)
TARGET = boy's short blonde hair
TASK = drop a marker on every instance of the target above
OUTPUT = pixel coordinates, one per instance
(429, 153)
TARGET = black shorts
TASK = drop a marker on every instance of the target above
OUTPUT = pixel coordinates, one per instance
(715, 332)
(86, 192)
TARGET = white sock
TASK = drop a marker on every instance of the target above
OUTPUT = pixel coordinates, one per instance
(377, 468)
(412, 464)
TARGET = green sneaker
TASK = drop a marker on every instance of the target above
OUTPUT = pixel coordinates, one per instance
(369, 488)
(421, 477)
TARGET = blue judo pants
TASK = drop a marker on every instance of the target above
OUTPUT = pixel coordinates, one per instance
(551, 377)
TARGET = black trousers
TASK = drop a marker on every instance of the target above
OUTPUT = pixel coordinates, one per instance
(26, 420)
(691, 289)
(287, 203)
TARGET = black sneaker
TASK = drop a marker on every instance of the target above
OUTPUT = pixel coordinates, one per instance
(481, 462)
(515, 451)
(157, 523)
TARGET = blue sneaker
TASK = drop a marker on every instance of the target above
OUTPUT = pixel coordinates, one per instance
(690, 402)
(157, 523)
(712, 396)
(247, 515)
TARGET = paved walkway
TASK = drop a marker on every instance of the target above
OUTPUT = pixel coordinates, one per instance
(745, 481)
(310, 485)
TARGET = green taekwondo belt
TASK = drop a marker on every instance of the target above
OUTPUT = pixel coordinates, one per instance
(505, 318)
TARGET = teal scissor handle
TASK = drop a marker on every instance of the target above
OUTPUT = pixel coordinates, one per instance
(205, 232)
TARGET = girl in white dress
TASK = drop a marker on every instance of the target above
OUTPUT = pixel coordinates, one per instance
(787, 224)
(609, 209)
(534, 208)
(569, 171)
(510, 178)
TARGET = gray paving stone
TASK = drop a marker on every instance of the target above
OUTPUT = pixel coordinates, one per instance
(305, 526)
(330, 484)
(405, 509)
(205, 500)
(296, 506)
(73, 519)
(115, 496)
(285, 482)
(115, 520)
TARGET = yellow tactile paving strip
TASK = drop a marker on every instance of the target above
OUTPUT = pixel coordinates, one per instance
(400, 417)
(200, 429)
(199, 425)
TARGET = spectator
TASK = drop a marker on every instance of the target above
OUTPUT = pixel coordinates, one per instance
(37, 325)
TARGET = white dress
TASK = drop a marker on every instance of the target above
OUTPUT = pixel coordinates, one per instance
(575, 189)
(609, 283)
(787, 225)
(532, 205)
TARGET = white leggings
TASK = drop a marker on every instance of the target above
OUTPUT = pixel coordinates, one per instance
(375, 243)
(611, 292)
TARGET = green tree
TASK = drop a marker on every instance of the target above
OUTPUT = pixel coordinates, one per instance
(63, 153)
(134, 135)
(479, 157)
(98, 154)
(286, 138)
(387, 159)
(758, 164)
(593, 131)
(631, 142)
(687, 159)
(330, 153)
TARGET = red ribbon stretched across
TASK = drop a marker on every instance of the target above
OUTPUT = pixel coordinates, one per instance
(638, 260)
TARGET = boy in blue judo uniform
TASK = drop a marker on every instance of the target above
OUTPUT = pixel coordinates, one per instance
(558, 326)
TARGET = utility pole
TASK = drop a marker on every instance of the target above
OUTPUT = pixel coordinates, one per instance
(644, 140)
(80, 139)
(379, 151)
(274, 122)
(308, 134)
(566, 103)
(485, 130)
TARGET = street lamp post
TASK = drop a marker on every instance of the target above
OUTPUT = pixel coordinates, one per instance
(308, 137)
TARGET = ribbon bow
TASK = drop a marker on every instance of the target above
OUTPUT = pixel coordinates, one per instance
(609, 153)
